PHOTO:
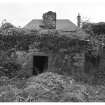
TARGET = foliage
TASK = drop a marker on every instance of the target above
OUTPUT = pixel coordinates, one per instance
(94, 28)
(8, 93)
(10, 69)
(97, 50)
(6, 26)
(22, 41)
(40, 89)
(13, 68)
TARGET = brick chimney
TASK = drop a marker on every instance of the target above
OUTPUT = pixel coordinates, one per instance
(49, 20)
(79, 20)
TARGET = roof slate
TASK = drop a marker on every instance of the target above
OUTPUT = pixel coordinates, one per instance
(61, 24)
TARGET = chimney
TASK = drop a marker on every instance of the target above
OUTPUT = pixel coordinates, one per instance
(49, 20)
(78, 20)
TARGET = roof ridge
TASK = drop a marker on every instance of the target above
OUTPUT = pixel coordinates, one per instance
(56, 19)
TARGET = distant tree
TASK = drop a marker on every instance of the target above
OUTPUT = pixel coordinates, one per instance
(87, 27)
(94, 28)
(7, 25)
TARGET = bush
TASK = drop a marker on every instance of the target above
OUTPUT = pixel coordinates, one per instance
(12, 69)
(8, 93)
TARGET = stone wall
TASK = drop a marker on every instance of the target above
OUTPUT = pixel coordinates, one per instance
(67, 54)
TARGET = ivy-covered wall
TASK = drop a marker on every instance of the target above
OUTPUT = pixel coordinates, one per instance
(66, 54)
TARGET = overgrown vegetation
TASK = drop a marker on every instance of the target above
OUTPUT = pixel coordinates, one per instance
(52, 42)
(97, 50)
(56, 85)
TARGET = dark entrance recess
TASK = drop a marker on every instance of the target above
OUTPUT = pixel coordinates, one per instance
(91, 62)
(40, 63)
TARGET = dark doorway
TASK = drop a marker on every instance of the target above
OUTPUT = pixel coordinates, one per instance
(40, 63)
(91, 62)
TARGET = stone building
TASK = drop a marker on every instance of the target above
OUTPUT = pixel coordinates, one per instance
(42, 61)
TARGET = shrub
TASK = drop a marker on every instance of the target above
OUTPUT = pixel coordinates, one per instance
(8, 93)
(12, 69)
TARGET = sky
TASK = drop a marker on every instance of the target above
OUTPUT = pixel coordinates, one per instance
(20, 12)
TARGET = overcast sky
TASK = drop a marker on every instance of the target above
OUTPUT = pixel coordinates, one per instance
(20, 12)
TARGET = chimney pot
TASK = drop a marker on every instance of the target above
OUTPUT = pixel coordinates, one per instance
(78, 20)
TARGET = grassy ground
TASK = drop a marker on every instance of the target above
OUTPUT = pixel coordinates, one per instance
(50, 87)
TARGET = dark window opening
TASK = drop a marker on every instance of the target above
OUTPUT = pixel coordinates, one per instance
(40, 64)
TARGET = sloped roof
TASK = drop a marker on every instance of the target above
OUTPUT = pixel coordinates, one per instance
(61, 24)
(34, 24)
(65, 25)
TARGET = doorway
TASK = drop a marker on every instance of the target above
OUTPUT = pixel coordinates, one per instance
(91, 62)
(40, 64)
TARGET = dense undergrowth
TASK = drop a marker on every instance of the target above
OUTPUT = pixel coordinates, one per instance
(50, 87)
